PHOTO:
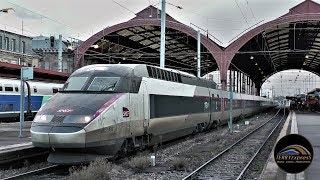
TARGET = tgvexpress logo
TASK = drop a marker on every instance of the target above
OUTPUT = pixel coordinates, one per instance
(125, 112)
(293, 153)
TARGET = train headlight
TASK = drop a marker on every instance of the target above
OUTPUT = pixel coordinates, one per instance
(77, 119)
(87, 119)
(43, 118)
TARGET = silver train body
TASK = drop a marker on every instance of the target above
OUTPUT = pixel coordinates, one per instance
(110, 109)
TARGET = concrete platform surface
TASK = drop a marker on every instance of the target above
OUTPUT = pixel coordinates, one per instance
(309, 127)
(9, 133)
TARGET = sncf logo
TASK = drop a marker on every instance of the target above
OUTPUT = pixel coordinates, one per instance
(125, 112)
(65, 110)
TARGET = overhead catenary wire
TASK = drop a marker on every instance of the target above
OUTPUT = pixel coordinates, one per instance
(127, 9)
(244, 17)
(251, 11)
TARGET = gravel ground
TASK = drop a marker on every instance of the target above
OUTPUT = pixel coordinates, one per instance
(198, 149)
(230, 164)
(11, 172)
(258, 163)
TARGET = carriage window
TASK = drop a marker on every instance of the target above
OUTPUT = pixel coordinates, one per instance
(154, 72)
(16, 88)
(174, 76)
(157, 73)
(54, 90)
(163, 73)
(149, 71)
(1, 108)
(169, 76)
(8, 87)
(35, 89)
(9, 107)
(0, 87)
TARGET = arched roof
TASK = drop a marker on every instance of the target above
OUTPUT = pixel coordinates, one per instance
(143, 40)
(291, 41)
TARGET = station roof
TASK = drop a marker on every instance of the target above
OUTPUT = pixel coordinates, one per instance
(13, 71)
(283, 44)
(138, 41)
(291, 41)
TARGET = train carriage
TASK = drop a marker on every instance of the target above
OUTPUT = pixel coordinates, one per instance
(40, 92)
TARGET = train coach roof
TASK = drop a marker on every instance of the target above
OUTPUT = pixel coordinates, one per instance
(314, 90)
(17, 81)
(131, 66)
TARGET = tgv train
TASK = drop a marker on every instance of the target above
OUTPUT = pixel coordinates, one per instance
(10, 97)
(111, 109)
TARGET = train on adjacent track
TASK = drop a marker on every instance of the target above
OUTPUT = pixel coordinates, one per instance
(39, 93)
(107, 110)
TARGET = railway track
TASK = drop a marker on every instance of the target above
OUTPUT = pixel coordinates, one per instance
(38, 172)
(234, 161)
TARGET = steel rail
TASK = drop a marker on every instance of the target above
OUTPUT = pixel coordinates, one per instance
(32, 172)
(228, 148)
(257, 152)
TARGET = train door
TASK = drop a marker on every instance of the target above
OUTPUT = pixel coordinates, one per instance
(211, 106)
(146, 105)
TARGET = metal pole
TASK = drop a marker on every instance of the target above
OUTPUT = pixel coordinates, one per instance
(198, 59)
(21, 103)
(163, 34)
(60, 54)
(231, 97)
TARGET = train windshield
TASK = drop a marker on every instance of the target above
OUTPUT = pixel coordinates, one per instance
(80, 83)
(75, 83)
(103, 84)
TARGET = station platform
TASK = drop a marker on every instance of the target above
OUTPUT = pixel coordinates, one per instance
(9, 133)
(309, 127)
(306, 124)
(11, 145)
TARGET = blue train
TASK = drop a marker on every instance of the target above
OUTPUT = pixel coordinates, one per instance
(40, 92)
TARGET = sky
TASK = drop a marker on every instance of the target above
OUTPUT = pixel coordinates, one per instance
(285, 83)
(224, 19)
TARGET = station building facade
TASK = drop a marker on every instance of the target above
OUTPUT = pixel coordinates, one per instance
(38, 52)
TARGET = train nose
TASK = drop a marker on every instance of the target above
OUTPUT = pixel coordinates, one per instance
(59, 131)
(58, 137)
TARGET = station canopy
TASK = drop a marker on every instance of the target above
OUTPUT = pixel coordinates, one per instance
(139, 42)
(289, 45)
